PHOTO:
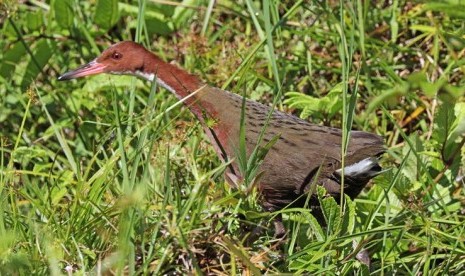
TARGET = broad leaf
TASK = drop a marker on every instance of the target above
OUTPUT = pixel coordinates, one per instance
(43, 52)
(106, 13)
(330, 210)
(10, 59)
(63, 13)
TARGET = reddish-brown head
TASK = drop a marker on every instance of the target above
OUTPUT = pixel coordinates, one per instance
(125, 57)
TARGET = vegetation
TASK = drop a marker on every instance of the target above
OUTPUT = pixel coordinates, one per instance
(108, 174)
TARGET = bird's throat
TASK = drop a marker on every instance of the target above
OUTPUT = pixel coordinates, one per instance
(186, 87)
(151, 77)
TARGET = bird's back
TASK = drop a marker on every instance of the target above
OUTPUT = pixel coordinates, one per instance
(303, 153)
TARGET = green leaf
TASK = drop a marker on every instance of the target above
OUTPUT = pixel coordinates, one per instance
(157, 26)
(105, 81)
(63, 13)
(315, 227)
(308, 104)
(155, 21)
(43, 52)
(35, 20)
(106, 13)
(182, 13)
(12, 259)
(445, 120)
(328, 105)
(58, 194)
(10, 59)
(451, 8)
(458, 128)
(348, 222)
(166, 10)
(412, 166)
(453, 92)
(424, 28)
(30, 153)
(330, 210)
(419, 79)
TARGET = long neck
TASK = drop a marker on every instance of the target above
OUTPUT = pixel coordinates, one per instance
(202, 100)
(171, 77)
(174, 79)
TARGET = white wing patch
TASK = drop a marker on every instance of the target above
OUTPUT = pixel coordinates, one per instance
(368, 167)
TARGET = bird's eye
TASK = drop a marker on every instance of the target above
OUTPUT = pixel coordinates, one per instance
(116, 55)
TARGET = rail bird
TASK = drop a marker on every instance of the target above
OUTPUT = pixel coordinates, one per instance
(300, 154)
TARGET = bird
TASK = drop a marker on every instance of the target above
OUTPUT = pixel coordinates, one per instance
(297, 154)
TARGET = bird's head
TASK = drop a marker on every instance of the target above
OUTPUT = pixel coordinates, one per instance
(125, 57)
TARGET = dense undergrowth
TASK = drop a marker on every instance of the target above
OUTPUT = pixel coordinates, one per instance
(106, 174)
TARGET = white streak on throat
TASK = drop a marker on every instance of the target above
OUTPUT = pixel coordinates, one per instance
(151, 76)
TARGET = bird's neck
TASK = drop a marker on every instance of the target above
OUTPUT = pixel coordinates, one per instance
(183, 85)
(169, 76)
(197, 96)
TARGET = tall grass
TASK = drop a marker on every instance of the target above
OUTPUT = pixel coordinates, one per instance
(112, 175)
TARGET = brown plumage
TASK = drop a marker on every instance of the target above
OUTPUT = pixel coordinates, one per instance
(303, 153)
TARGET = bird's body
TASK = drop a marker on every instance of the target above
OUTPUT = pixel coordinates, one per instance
(294, 160)
(303, 153)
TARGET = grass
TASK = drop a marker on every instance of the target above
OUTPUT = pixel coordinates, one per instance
(111, 175)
